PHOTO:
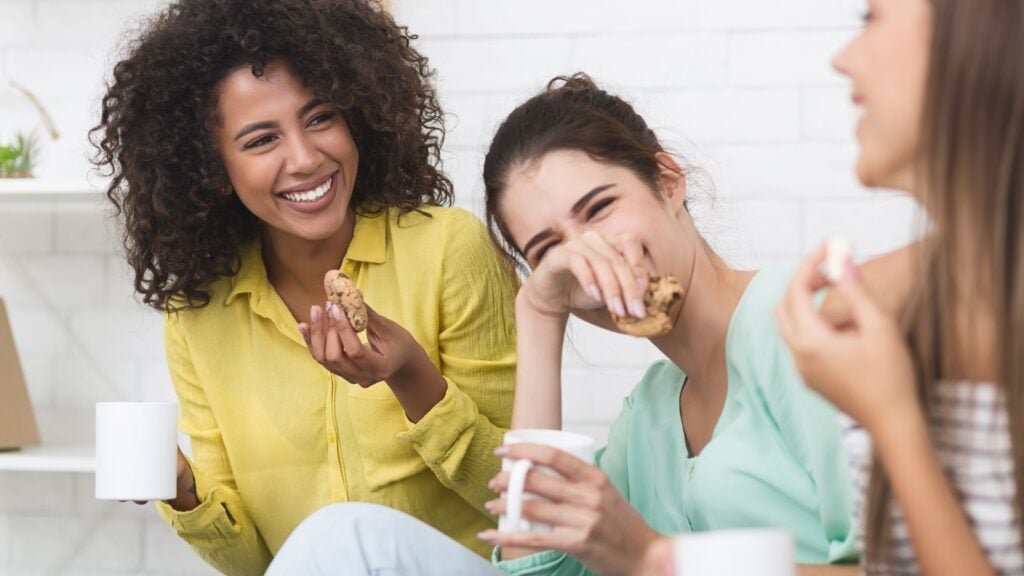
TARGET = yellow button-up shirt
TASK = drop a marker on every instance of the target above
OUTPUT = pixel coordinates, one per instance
(275, 436)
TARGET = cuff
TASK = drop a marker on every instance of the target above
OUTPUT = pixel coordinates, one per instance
(434, 436)
(541, 563)
(210, 521)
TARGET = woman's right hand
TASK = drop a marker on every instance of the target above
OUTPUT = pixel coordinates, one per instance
(186, 498)
(588, 273)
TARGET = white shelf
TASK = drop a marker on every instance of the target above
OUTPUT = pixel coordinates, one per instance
(50, 190)
(49, 458)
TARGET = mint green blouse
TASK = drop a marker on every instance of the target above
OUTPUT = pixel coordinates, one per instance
(775, 458)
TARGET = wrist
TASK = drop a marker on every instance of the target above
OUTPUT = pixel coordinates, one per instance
(418, 386)
(187, 497)
(898, 433)
(528, 306)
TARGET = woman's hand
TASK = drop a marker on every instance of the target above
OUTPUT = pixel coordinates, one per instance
(335, 344)
(587, 273)
(390, 355)
(186, 499)
(864, 366)
(591, 520)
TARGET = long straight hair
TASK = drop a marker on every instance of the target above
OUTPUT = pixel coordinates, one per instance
(970, 178)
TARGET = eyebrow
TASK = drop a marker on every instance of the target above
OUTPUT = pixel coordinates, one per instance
(250, 128)
(575, 210)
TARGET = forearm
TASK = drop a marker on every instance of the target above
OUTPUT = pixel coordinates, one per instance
(418, 387)
(942, 538)
(538, 399)
(187, 499)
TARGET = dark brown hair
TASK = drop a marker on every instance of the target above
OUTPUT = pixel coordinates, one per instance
(154, 138)
(970, 177)
(572, 113)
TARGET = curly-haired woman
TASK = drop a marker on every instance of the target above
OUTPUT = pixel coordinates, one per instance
(252, 147)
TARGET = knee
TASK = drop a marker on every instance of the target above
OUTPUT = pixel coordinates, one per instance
(346, 519)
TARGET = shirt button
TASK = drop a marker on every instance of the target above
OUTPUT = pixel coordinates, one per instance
(331, 438)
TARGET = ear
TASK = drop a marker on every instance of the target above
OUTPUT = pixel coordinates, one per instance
(673, 181)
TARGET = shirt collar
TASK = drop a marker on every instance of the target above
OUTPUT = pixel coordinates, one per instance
(369, 244)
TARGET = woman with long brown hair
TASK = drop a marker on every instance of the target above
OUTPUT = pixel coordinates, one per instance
(934, 369)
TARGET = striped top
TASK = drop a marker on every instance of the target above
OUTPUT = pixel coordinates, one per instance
(970, 431)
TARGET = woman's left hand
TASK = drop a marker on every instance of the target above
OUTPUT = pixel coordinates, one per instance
(335, 344)
(591, 520)
(864, 367)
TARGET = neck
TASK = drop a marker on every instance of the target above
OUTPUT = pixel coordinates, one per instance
(697, 341)
(298, 264)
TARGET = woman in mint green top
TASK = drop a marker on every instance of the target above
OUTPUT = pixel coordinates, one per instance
(774, 459)
(582, 196)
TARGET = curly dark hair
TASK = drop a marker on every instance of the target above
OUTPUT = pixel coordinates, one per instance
(155, 140)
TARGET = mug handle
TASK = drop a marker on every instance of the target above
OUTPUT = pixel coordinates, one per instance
(514, 494)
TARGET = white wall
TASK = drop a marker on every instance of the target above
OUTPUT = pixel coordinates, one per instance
(741, 88)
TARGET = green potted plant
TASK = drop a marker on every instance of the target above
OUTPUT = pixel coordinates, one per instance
(17, 159)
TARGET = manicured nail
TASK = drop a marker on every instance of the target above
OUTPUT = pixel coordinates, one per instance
(850, 273)
(617, 307)
(491, 505)
(314, 314)
(501, 451)
(335, 312)
(488, 535)
(595, 292)
(637, 308)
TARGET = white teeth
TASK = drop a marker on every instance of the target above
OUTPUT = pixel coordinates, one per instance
(310, 195)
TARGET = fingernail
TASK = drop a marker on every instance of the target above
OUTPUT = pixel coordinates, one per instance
(501, 451)
(336, 312)
(487, 535)
(314, 314)
(594, 292)
(641, 281)
(490, 505)
(850, 273)
(618, 307)
(637, 308)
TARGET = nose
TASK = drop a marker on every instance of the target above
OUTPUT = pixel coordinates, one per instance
(304, 157)
(841, 61)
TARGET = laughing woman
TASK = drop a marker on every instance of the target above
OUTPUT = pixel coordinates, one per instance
(254, 146)
(721, 434)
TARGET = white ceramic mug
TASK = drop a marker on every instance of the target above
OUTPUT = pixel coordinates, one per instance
(578, 445)
(755, 551)
(136, 450)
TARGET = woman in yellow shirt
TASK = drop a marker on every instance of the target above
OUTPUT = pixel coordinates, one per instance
(253, 146)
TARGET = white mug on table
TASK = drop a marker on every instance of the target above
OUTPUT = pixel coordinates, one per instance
(578, 445)
(745, 552)
(136, 450)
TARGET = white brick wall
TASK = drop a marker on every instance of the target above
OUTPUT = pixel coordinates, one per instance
(741, 88)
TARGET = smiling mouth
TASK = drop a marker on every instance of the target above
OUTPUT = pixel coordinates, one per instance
(310, 195)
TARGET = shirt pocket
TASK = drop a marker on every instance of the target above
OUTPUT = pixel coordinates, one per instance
(377, 420)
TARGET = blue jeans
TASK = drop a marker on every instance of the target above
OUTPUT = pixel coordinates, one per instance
(370, 540)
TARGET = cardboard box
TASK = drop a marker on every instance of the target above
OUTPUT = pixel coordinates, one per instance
(17, 420)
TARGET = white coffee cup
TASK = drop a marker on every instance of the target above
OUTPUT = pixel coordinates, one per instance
(136, 450)
(578, 445)
(746, 552)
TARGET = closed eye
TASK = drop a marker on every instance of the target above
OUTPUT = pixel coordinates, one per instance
(598, 207)
(538, 254)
